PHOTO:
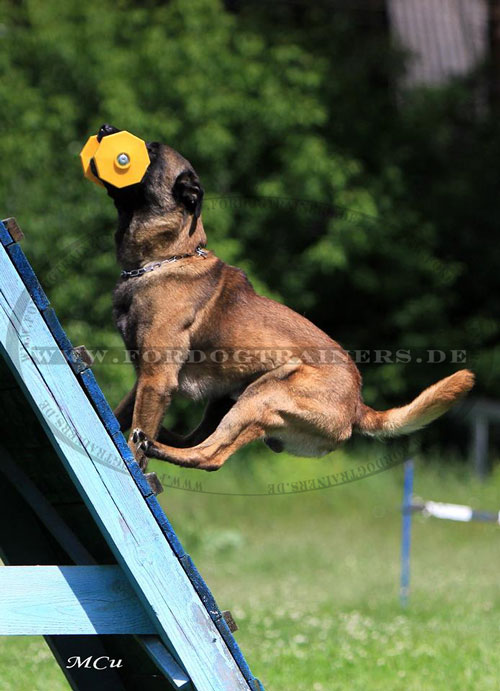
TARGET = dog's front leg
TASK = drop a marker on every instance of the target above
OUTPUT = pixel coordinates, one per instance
(125, 409)
(157, 379)
(153, 396)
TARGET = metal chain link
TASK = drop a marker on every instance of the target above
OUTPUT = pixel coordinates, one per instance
(134, 273)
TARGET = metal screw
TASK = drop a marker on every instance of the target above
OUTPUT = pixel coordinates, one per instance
(123, 159)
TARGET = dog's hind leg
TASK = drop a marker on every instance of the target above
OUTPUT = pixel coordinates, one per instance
(252, 417)
(210, 454)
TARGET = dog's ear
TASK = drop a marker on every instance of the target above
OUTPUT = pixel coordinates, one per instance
(188, 191)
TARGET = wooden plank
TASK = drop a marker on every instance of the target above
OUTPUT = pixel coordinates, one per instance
(77, 552)
(28, 276)
(73, 356)
(166, 526)
(160, 655)
(229, 619)
(81, 353)
(132, 465)
(24, 541)
(154, 483)
(201, 587)
(13, 229)
(43, 509)
(74, 600)
(111, 495)
(57, 331)
(5, 236)
(100, 403)
(230, 641)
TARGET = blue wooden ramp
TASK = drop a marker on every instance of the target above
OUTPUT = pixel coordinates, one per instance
(91, 561)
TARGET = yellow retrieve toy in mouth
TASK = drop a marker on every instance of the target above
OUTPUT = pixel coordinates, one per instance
(121, 159)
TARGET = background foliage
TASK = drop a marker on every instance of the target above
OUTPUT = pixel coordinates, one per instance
(372, 211)
(275, 105)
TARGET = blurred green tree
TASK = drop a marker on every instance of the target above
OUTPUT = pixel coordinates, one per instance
(373, 219)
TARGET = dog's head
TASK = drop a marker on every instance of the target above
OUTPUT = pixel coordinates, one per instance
(170, 189)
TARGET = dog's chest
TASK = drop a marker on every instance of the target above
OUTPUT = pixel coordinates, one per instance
(123, 314)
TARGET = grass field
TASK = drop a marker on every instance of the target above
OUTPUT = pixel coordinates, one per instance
(312, 578)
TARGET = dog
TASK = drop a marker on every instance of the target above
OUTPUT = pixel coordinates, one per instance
(295, 388)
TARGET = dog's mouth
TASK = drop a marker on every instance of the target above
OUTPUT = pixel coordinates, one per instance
(105, 131)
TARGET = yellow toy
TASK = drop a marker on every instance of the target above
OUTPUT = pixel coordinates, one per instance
(121, 159)
(86, 155)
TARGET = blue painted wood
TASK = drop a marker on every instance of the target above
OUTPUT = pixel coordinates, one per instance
(100, 403)
(63, 341)
(5, 236)
(234, 648)
(93, 462)
(132, 465)
(71, 600)
(79, 554)
(58, 332)
(23, 540)
(406, 519)
(44, 510)
(213, 609)
(164, 661)
(201, 587)
(28, 276)
(165, 526)
(257, 685)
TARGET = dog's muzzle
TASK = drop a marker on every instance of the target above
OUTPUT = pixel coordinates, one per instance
(106, 129)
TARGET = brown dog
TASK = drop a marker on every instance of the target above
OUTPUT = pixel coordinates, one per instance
(196, 326)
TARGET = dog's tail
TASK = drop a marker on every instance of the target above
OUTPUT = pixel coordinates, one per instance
(428, 406)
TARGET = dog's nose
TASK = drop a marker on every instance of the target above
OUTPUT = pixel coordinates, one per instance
(105, 130)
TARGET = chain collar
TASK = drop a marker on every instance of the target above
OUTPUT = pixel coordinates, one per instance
(134, 273)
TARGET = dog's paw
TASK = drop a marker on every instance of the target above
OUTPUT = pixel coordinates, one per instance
(138, 435)
(139, 443)
(141, 440)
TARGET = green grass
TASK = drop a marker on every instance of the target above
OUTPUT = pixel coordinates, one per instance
(27, 664)
(312, 578)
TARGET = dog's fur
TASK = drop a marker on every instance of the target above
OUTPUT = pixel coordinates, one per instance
(290, 400)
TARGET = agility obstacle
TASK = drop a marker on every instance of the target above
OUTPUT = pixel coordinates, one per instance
(92, 562)
(436, 509)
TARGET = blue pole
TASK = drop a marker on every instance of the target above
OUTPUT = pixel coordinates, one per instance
(404, 589)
